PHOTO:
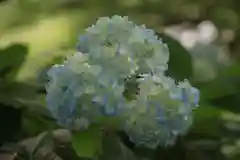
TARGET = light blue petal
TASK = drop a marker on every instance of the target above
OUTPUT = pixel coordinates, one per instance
(196, 94)
(83, 45)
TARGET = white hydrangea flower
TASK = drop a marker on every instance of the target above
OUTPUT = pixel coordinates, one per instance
(91, 84)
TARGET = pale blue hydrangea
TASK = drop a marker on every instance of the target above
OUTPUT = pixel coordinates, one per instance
(90, 84)
(162, 109)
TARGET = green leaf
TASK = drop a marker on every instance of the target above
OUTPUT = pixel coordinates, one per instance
(88, 143)
(21, 94)
(35, 122)
(114, 149)
(229, 102)
(207, 121)
(225, 84)
(233, 70)
(215, 89)
(11, 59)
(180, 64)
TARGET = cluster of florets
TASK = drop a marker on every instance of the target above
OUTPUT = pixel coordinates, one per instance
(91, 84)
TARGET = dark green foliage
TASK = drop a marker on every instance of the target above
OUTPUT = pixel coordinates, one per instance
(18, 116)
(180, 63)
(113, 148)
(11, 59)
(10, 122)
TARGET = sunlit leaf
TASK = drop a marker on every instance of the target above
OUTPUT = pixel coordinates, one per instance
(87, 143)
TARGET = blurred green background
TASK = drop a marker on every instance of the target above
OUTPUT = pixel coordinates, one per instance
(203, 37)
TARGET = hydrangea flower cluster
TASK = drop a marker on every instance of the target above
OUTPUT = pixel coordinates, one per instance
(91, 84)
